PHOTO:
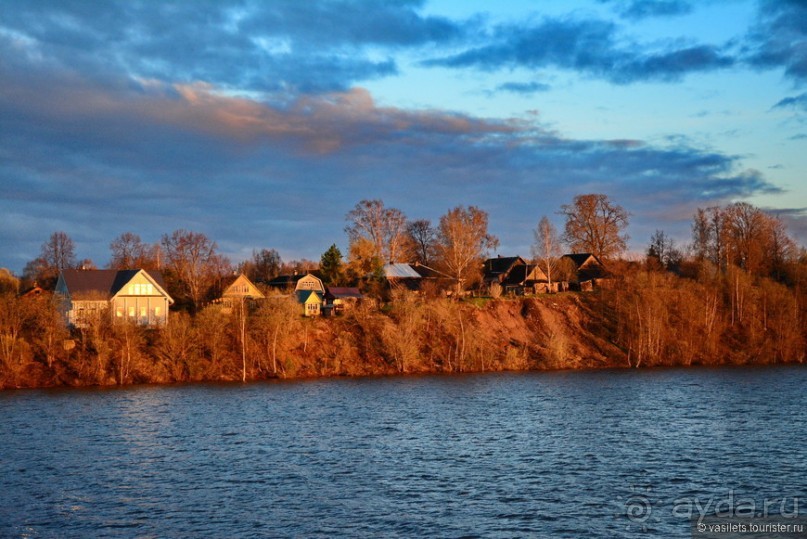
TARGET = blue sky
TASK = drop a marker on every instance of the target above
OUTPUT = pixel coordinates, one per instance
(261, 124)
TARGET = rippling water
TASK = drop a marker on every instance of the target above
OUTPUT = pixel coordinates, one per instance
(571, 454)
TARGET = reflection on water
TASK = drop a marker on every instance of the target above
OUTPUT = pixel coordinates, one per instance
(572, 454)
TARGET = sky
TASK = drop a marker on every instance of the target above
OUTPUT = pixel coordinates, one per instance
(262, 123)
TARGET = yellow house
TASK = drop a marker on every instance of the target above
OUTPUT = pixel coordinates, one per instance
(135, 295)
(240, 289)
(311, 302)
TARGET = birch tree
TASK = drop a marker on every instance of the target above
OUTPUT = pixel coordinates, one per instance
(546, 249)
(462, 241)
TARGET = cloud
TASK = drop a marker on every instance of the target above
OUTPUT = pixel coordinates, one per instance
(642, 9)
(101, 158)
(592, 47)
(263, 46)
(798, 101)
(779, 39)
(523, 87)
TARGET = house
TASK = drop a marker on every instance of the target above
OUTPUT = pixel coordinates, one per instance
(584, 269)
(312, 301)
(402, 275)
(513, 273)
(134, 294)
(240, 289)
(340, 298)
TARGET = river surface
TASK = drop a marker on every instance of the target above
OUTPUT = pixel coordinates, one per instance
(565, 454)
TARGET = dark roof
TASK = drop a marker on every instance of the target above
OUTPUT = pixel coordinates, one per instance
(518, 275)
(343, 292)
(104, 283)
(580, 258)
(500, 264)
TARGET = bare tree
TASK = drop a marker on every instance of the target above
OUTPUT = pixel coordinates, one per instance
(130, 252)
(546, 249)
(595, 225)
(56, 254)
(662, 248)
(192, 260)
(385, 228)
(462, 241)
(263, 266)
(423, 237)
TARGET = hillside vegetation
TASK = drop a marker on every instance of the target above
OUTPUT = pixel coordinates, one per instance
(642, 319)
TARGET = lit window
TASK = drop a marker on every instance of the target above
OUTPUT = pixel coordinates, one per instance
(142, 312)
(131, 311)
(119, 312)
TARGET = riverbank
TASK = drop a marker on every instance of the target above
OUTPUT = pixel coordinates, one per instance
(653, 319)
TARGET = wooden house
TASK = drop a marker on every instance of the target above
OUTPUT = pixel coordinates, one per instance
(513, 274)
(585, 270)
(240, 289)
(134, 295)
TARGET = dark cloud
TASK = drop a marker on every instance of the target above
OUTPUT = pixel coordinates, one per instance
(798, 101)
(780, 38)
(593, 47)
(306, 46)
(642, 9)
(100, 158)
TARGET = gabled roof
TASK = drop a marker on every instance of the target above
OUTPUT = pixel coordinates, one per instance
(305, 296)
(581, 258)
(400, 271)
(520, 274)
(241, 287)
(105, 283)
(501, 264)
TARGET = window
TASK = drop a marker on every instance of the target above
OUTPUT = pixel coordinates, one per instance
(131, 311)
(119, 312)
(157, 311)
(142, 312)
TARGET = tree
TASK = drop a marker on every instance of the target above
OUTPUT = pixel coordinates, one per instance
(330, 265)
(663, 250)
(546, 249)
(595, 225)
(56, 254)
(263, 267)
(422, 236)
(130, 252)
(462, 240)
(384, 228)
(193, 262)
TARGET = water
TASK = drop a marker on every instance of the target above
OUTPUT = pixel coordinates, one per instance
(570, 454)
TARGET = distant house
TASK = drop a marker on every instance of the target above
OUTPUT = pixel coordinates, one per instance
(340, 299)
(135, 295)
(312, 301)
(401, 275)
(586, 269)
(513, 273)
(240, 289)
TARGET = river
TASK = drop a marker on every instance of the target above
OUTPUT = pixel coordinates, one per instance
(596, 454)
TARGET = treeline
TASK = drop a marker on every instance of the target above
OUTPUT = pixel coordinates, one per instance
(737, 294)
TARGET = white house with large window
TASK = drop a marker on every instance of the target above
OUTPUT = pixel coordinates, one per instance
(126, 295)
